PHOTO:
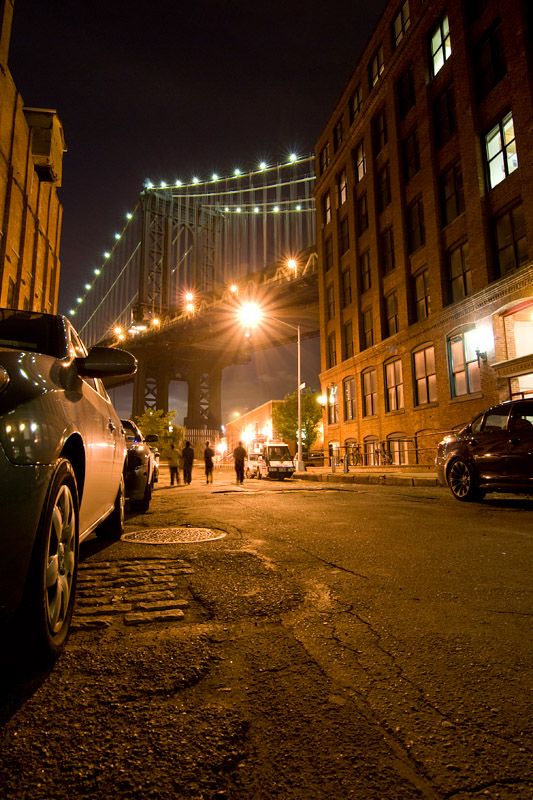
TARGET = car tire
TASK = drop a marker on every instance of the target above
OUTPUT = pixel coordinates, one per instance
(113, 526)
(462, 482)
(144, 504)
(43, 621)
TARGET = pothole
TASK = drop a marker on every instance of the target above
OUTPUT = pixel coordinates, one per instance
(173, 535)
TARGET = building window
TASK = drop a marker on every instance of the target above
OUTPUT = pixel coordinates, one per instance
(344, 236)
(360, 162)
(349, 398)
(356, 102)
(518, 325)
(380, 131)
(391, 313)
(500, 147)
(324, 158)
(368, 329)
(398, 445)
(441, 46)
(365, 271)
(422, 299)
(406, 92)
(332, 351)
(489, 60)
(338, 135)
(342, 188)
(383, 188)
(475, 8)
(333, 405)
(370, 393)
(510, 236)
(330, 295)
(394, 385)
(400, 24)
(326, 208)
(411, 156)
(362, 214)
(10, 303)
(464, 364)
(415, 226)
(347, 335)
(460, 272)
(452, 193)
(425, 376)
(328, 253)
(445, 116)
(371, 447)
(387, 251)
(377, 65)
(346, 287)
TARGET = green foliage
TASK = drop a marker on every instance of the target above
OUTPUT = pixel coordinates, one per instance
(161, 423)
(285, 418)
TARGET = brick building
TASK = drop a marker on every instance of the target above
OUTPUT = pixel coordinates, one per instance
(31, 158)
(425, 227)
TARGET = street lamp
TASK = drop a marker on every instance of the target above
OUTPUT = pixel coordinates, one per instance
(250, 315)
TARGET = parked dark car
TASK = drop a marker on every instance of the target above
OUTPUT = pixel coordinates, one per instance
(62, 454)
(140, 469)
(494, 452)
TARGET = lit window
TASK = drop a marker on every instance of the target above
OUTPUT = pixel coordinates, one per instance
(360, 162)
(500, 146)
(464, 364)
(400, 24)
(342, 188)
(425, 376)
(421, 292)
(441, 47)
(349, 398)
(356, 102)
(391, 313)
(368, 328)
(333, 405)
(326, 207)
(394, 385)
(332, 351)
(377, 65)
(370, 393)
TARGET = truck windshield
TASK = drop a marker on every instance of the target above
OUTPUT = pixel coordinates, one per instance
(280, 454)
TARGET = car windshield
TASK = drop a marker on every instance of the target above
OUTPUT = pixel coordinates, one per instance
(280, 454)
(29, 330)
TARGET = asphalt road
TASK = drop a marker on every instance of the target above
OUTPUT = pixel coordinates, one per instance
(327, 642)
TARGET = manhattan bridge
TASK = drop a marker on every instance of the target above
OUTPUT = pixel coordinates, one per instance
(189, 255)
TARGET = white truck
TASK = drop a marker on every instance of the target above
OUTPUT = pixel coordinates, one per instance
(276, 461)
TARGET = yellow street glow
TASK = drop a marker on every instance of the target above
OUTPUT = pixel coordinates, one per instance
(250, 314)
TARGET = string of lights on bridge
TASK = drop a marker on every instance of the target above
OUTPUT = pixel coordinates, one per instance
(197, 183)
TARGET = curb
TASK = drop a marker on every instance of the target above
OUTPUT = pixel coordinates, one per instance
(375, 479)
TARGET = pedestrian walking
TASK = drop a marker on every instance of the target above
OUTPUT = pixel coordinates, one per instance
(174, 465)
(187, 455)
(239, 454)
(209, 454)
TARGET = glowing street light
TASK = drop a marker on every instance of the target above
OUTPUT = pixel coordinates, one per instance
(250, 315)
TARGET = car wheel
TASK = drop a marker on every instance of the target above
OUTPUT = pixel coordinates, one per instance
(113, 526)
(462, 483)
(46, 610)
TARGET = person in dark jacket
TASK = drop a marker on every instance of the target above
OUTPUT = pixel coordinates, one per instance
(239, 454)
(187, 456)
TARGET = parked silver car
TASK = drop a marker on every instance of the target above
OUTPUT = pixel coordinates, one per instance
(62, 453)
(141, 466)
(494, 452)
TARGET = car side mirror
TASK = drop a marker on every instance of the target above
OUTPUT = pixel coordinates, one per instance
(104, 362)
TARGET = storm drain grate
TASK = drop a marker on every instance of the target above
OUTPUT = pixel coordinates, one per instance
(173, 535)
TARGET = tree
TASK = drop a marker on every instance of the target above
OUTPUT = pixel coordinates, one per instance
(285, 418)
(161, 423)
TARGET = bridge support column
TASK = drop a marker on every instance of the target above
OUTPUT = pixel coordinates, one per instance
(150, 388)
(204, 407)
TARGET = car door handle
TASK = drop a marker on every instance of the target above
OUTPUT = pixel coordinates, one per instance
(111, 426)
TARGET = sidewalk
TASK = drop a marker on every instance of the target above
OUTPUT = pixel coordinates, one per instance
(390, 476)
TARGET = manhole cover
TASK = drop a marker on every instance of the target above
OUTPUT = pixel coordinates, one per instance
(173, 535)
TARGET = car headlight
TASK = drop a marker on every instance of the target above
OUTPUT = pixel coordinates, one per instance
(4, 379)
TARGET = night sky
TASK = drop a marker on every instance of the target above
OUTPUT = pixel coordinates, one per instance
(174, 89)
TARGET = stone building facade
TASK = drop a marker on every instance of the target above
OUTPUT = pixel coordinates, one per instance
(425, 228)
(31, 157)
